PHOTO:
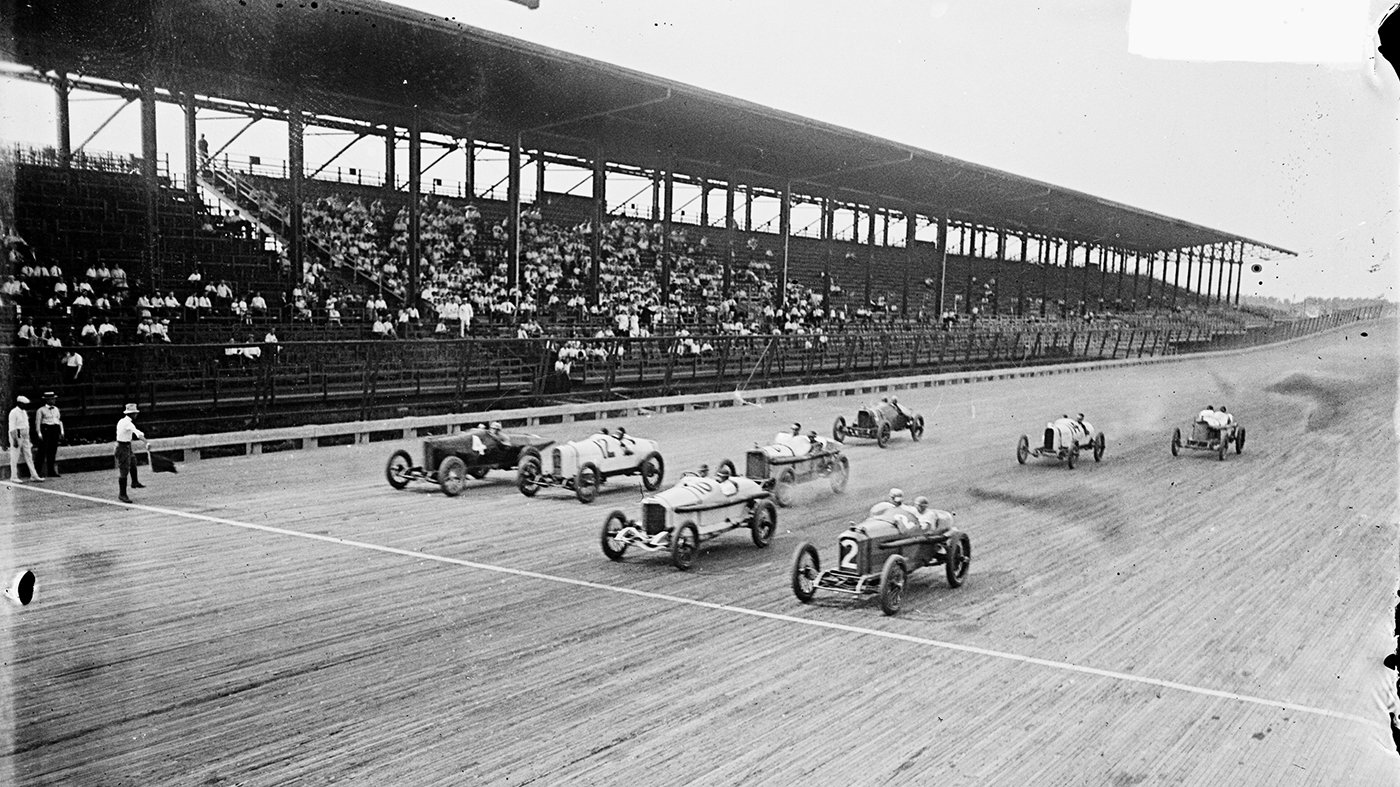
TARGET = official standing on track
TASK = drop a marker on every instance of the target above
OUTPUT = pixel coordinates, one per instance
(126, 460)
(50, 422)
(19, 442)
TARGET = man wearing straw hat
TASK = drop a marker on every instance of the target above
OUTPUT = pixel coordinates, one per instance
(126, 460)
(19, 441)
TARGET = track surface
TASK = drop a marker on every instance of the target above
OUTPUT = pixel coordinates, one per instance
(291, 619)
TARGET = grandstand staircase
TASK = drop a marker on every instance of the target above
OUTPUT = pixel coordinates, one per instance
(238, 193)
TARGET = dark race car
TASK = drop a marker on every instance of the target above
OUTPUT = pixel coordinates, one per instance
(794, 459)
(876, 556)
(449, 459)
(1214, 434)
(878, 422)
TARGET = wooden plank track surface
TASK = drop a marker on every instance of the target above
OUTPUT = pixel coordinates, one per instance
(290, 619)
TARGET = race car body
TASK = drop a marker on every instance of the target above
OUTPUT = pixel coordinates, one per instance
(1062, 440)
(695, 510)
(583, 465)
(1213, 432)
(878, 422)
(449, 459)
(876, 556)
(793, 459)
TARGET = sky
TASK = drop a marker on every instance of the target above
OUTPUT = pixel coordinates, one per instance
(1272, 119)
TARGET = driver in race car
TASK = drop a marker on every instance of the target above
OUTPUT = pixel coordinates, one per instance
(929, 521)
(817, 444)
(791, 437)
(495, 431)
(624, 441)
(894, 400)
(1085, 429)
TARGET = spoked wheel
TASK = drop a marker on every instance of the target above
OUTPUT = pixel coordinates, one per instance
(685, 544)
(882, 438)
(959, 560)
(1176, 442)
(452, 476)
(782, 491)
(527, 476)
(653, 469)
(1099, 443)
(806, 567)
(587, 483)
(726, 470)
(840, 473)
(764, 523)
(1023, 449)
(916, 428)
(1239, 440)
(1222, 444)
(838, 430)
(613, 525)
(893, 578)
(1072, 455)
(396, 472)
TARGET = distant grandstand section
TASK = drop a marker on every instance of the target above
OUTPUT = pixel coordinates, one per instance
(704, 236)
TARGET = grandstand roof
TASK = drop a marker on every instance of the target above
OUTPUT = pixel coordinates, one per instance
(373, 61)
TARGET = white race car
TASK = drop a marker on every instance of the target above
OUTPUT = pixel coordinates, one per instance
(694, 510)
(1064, 438)
(583, 465)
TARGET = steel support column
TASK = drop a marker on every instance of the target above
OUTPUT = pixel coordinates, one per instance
(668, 187)
(391, 145)
(469, 169)
(784, 229)
(1176, 277)
(415, 185)
(1137, 275)
(1240, 279)
(295, 165)
(540, 164)
(65, 125)
(869, 252)
(911, 226)
(513, 213)
(192, 162)
(731, 237)
(1190, 298)
(1001, 258)
(1067, 309)
(150, 178)
(942, 262)
(1021, 276)
(600, 217)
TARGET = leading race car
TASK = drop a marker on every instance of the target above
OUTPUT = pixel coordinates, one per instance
(792, 459)
(877, 556)
(1212, 431)
(696, 509)
(583, 465)
(449, 459)
(879, 421)
(1063, 439)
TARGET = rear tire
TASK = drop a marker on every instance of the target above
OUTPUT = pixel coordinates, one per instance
(838, 429)
(1099, 444)
(452, 476)
(1023, 449)
(840, 474)
(764, 523)
(782, 491)
(1176, 442)
(396, 471)
(1239, 440)
(806, 567)
(893, 577)
(653, 469)
(1221, 445)
(882, 437)
(587, 483)
(959, 560)
(613, 525)
(916, 428)
(1070, 456)
(527, 475)
(685, 544)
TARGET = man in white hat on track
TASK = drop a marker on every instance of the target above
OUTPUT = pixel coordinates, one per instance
(126, 459)
(20, 447)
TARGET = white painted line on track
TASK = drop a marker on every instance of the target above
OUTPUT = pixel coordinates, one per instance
(890, 635)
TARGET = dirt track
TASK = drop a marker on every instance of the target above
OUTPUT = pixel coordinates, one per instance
(1146, 619)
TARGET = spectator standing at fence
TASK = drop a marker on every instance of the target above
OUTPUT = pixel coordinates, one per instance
(126, 459)
(50, 422)
(20, 446)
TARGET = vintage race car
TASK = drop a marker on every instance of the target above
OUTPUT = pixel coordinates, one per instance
(794, 459)
(583, 465)
(696, 509)
(1063, 439)
(1213, 437)
(877, 556)
(878, 422)
(449, 459)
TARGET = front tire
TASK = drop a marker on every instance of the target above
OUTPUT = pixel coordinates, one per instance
(840, 474)
(653, 469)
(1176, 442)
(782, 491)
(893, 577)
(1239, 440)
(1023, 449)
(685, 544)
(396, 471)
(882, 437)
(916, 429)
(763, 524)
(1222, 444)
(838, 430)
(806, 567)
(452, 476)
(527, 475)
(613, 525)
(587, 482)
(959, 560)
(1099, 443)
(1070, 456)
